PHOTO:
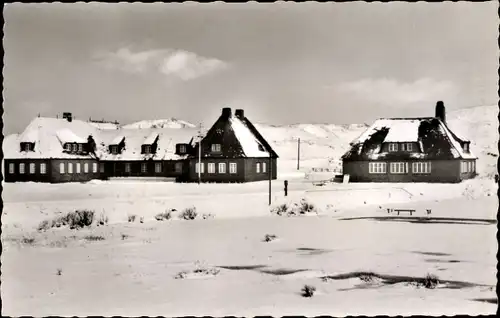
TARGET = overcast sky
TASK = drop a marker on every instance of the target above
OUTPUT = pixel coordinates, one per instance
(282, 63)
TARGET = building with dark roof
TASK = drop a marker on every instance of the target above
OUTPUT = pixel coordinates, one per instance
(410, 150)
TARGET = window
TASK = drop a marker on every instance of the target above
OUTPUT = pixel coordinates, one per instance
(27, 147)
(393, 147)
(80, 147)
(157, 167)
(398, 167)
(75, 147)
(466, 147)
(78, 167)
(232, 167)
(211, 167)
(11, 168)
(147, 149)
(114, 150)
(197, 167)
(467, 166)
(86, 167)
(216, 148)
(182, 149)
(94, 167)
(406, 147)
(222, 167)
(377, 167)
(32, 168)
(264, 167)
(21, 168)
(178, 167)
(421, 167)
(43, 168)
(257, 168)
(70, 167)
(61, 167)
(67, 147)
(101, 167)
(127, 167)
(144, 167)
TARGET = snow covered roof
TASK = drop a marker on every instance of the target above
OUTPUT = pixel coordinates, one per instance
(444, 142)
(403, 131)
(65, 135)
(49, 136)
(151, 138)
(159, 123)
(117, 140)
(251, 146)
(135, 138)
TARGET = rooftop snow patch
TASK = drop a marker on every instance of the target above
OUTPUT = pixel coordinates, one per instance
(117, 140)
(159, 123)
(403, 131)
(65, 135)
(151, 138)
(29, 135)
(249, 143)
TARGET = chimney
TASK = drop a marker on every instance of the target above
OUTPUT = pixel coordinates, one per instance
(226, 112)
(68, 117)
(240, 113)
(441, 111)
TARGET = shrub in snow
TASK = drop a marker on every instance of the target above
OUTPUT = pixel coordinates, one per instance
(59, 272)
(124, 236)
(131, 218)
(103, 219)
(188, 214)
(167, 215)
(280, 209)
(430, 281)
(308, 291)
(44, 225)
(207, 216)
(198, 272)
(269, 237)
(141, 219)
(94, 238)
(294, 209)
(28, 240)
(75, 220)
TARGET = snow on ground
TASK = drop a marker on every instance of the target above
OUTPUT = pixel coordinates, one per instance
(221, 265)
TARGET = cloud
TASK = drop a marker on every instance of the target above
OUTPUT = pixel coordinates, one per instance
(177, 63)
(390, 91)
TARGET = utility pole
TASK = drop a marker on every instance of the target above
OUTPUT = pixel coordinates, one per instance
(298, 154)
(199, 154)
(270, 175)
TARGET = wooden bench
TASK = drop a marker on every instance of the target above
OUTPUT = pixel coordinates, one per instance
(411, 211)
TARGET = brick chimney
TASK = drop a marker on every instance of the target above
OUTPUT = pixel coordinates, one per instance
(226, 112)
(240, 113)
(441, 111)
(68, 117)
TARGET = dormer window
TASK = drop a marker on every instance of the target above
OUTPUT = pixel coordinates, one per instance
(80, 147)
(216, 148)
(393, 147)
(27, 146)
(75, 147)
(114, 149)
(466, 147)
(147, 149)
(67, 147)
(182, 148)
